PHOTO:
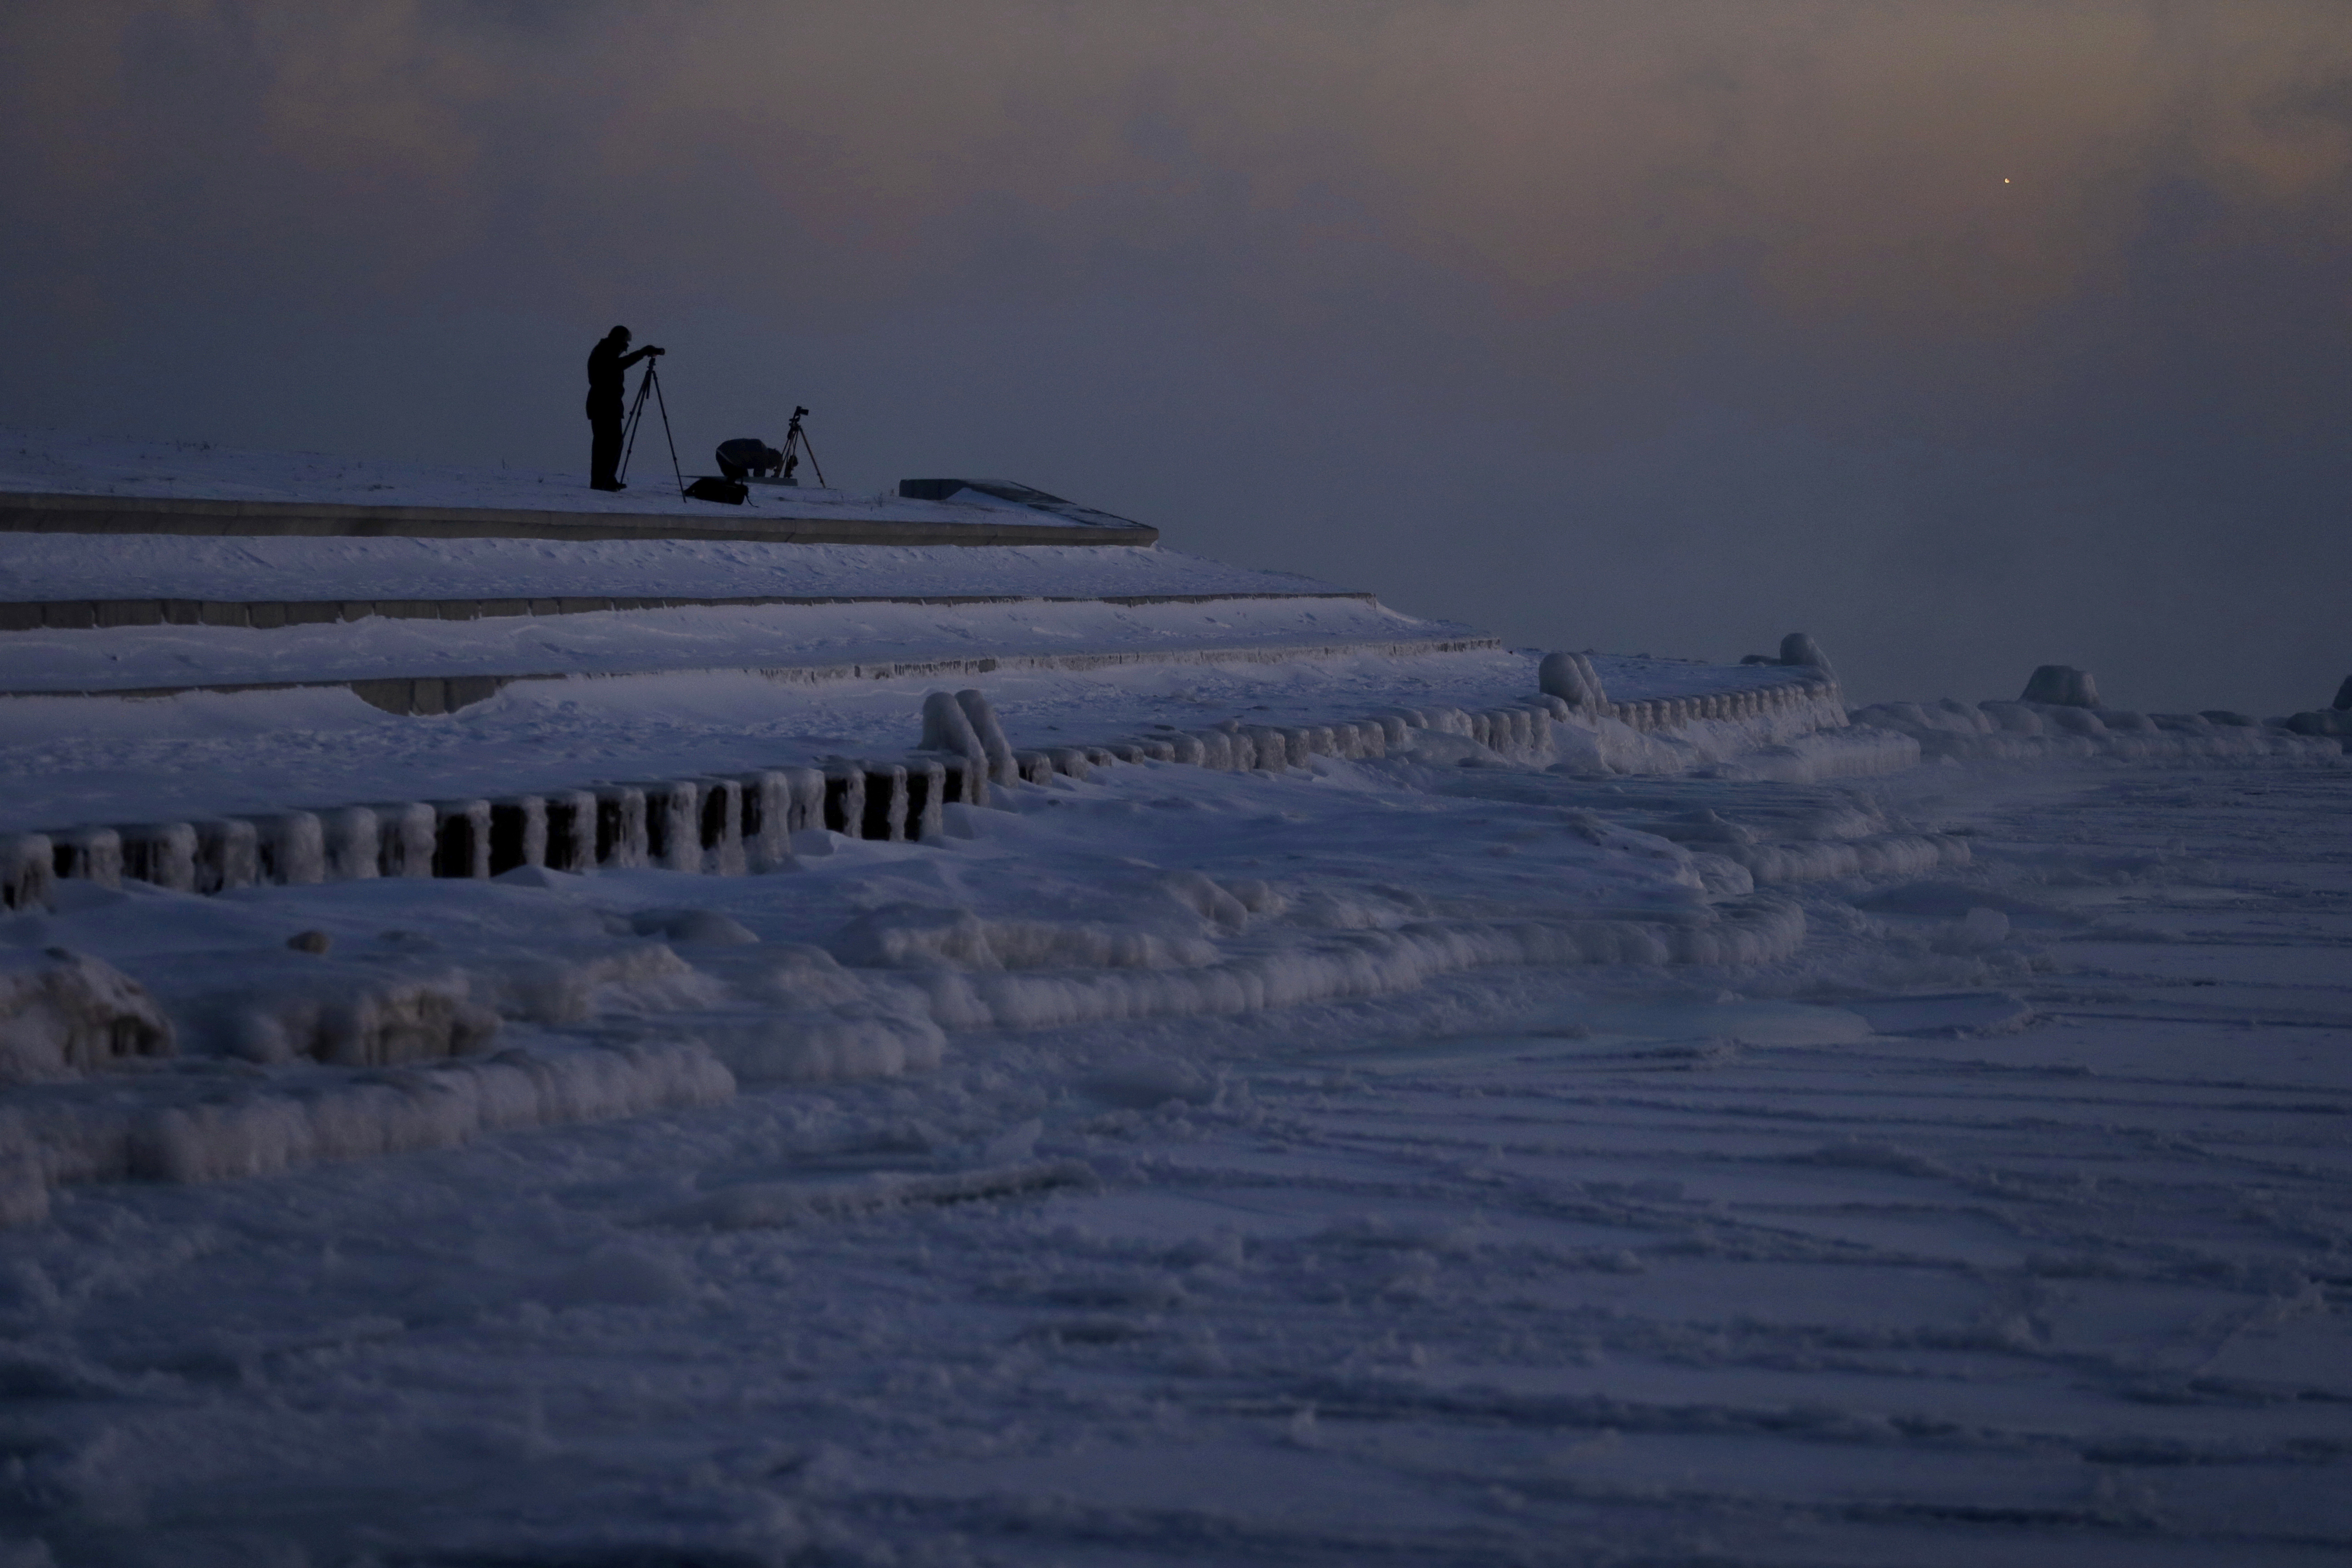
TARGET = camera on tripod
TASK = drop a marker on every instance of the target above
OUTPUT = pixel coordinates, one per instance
(796, 442)
(747, 459)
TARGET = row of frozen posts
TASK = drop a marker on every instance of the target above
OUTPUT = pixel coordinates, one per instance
(738, 823)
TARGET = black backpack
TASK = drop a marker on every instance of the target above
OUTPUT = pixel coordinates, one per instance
(710, 487)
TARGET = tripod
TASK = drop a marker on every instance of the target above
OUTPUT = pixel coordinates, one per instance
(796, 441)
(636, 412)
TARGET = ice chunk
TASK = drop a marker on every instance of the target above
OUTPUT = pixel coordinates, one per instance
(289, 1006)
(1205, 899)
(827, 1045)
(2063, 685)
(909, 936)
(1437, 749)
(1946, 1014)
(692, 925)
(1800, 648)
(434, 1107)
(762, 1204)
(1980, 929)
(63, 1013)
(1146, 1082)
(538, 877)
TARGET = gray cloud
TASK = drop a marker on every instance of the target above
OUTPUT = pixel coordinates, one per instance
(1661, 328)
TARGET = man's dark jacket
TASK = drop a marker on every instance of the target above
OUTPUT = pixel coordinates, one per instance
(606, 365)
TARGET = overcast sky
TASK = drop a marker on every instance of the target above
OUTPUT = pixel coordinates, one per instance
(1966, 336)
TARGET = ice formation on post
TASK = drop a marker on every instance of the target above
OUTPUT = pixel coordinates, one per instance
(2062, 685)
(1571, 678)
(998, 750)
(1800, 648)
(64, 1014)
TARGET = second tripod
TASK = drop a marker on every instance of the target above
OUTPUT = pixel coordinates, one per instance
(796, 441)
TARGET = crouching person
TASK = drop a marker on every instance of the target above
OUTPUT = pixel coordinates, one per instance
(746, 457)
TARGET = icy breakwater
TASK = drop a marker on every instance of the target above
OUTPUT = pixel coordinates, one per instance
(1076, 886)
(748, 821)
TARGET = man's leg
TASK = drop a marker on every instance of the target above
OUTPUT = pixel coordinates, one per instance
(605, 454)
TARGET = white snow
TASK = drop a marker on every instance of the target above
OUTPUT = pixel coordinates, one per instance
(834, 640)
(1875, 1250)
(66, 760)
(1735, 1135)
(50, 462)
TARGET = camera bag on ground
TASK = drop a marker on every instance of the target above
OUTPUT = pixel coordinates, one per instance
(710, 487)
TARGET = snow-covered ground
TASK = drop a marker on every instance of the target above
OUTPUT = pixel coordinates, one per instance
(726, 636)
(2001, 1217)
(1636, 1147)
(69, 760)
(51, 462)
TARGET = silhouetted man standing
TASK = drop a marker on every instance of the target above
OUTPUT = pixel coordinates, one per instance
(607, 362)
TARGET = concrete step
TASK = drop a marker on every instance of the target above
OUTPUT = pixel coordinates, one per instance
(62, 513)
(271, 615)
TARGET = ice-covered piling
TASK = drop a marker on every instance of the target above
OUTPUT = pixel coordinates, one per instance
(28, 871)
(291, 846)
(91, 855)
(162, 853)
(766, 821)
(622, 841)
(721, 836)
(845, 797)
(518, 833)
(461, 839)
(927, 796)
(673, 824)
(354, 844)
(228, 855)
(406, 833)
(884, 815)
(984, 724)
(948, 728)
